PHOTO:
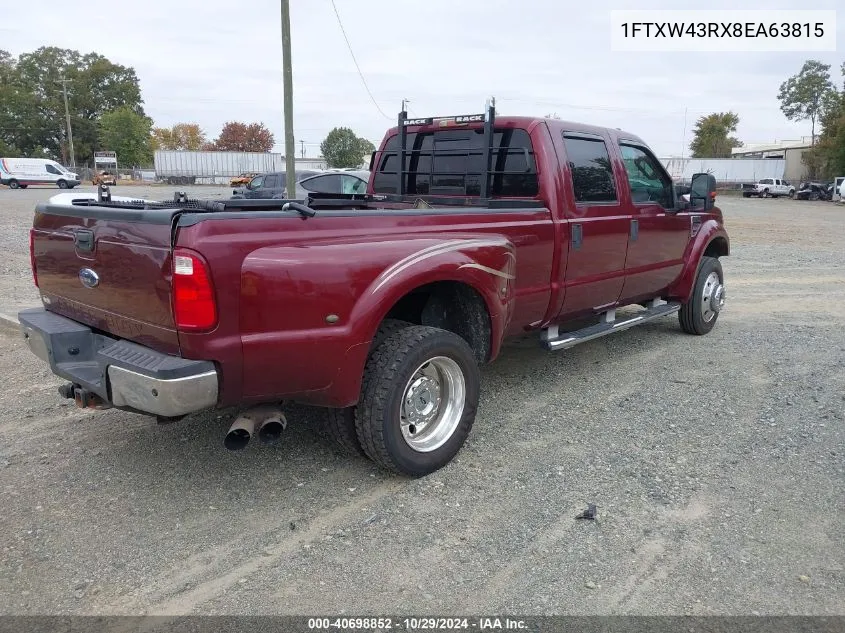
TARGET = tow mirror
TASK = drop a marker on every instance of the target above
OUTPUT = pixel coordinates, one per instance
(702, 191)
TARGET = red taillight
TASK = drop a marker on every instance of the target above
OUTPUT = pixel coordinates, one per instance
(194, 307)
(32, 256)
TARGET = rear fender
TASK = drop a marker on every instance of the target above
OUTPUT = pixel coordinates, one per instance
(309, 312)
(710, 235)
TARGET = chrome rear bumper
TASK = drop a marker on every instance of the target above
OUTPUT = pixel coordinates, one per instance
(122, 373)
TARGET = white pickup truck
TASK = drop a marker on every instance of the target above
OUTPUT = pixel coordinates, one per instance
(769, 188)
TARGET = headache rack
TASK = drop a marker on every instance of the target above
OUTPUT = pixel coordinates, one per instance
(485, 176)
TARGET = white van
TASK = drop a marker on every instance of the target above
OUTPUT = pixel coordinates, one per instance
(19, 173)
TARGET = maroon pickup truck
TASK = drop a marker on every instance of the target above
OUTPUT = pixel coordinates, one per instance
(380, 307)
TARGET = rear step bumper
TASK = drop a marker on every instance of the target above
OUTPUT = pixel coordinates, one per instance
(122, 373)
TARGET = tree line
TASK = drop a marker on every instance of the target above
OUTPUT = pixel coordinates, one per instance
(809, 95)
(107, 113)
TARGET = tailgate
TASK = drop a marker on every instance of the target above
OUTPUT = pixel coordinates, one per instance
(108, 268)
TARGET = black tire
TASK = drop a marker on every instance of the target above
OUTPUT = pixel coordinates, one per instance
(387, 373)
(24, 186)
(745, 194)
(765, 193)
(62, 184)
(691, 314)
(339, 424)
(14, 184)
(791, 194)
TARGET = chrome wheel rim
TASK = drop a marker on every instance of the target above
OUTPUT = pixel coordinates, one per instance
(432, 404)
(712, 297)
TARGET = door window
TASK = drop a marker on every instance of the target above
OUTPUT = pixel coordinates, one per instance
(53, 170)
(646, 177)
(323, 184)
(256, 182)
(592, 175)
(270, 181)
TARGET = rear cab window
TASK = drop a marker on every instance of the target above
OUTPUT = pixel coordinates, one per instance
(450, 162)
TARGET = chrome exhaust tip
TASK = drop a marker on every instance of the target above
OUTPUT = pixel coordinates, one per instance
(270, 431)
(239, 433)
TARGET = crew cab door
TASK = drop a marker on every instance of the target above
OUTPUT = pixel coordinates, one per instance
(659, 233)
(598, 226)
(253, 189)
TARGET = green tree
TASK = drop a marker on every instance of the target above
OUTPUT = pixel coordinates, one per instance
(32, 118)
(827, 158)
(343, 148)
(128, 133)
(804, 96)
(711, 136)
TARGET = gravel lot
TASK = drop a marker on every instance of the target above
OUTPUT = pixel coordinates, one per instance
(716, 463)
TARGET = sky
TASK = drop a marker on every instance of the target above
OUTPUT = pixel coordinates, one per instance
(212, 61)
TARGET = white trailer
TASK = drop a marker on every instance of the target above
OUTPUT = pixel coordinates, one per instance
(727, 171)
(177, 167)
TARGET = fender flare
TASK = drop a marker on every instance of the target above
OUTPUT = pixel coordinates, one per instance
(487, 264)
(711, 237)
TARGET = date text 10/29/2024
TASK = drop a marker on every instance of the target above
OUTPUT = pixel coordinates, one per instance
(417, 624)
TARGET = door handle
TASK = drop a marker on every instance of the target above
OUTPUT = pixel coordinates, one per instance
(83, 239)
(635, 230)
(577, 236)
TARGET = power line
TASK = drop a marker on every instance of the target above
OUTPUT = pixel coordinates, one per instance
(360, 74)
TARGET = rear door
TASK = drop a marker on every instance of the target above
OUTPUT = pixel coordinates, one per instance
(598, 226)
(271, 185)
(658, 233)
(109, 269)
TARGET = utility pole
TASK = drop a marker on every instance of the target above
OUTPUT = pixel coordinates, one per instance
(287, 80)
(64, 83)
(303, 148)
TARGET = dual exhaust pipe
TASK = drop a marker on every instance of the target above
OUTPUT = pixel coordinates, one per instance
(269, 422)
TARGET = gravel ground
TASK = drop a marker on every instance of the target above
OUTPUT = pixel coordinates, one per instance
(716, 463)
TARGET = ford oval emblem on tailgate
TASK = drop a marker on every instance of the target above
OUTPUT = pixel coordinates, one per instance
(89, 278)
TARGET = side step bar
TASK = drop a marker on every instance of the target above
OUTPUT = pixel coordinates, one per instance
(555, 341)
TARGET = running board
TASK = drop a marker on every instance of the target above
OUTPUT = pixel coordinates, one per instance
(554, 341)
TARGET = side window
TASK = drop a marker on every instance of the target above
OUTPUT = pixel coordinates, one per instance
(592, 174)
(270, 181)
(323, 184)
(646, 177)
(352, 184)
(52, 170)
(256, 183)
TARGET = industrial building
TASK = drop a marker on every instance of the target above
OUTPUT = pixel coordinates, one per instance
(791, 152)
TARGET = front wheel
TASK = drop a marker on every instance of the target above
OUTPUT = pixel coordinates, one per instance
(62, 184)
(14, 184)
(765, 193)
(791, 193)
(418, 400)
(699, 314)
